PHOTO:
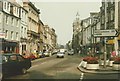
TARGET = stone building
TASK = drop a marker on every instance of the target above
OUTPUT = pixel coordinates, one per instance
(10, 25)
(76, 30)
(109, 20)
(33, 26)
(53, 38)
(41, 38)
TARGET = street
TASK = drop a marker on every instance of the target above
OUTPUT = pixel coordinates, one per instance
(53, 68)
(61, 68)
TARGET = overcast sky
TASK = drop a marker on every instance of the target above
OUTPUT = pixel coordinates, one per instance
(60, 16)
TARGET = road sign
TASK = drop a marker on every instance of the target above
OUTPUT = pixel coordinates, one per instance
(2, 35)
(105, 33)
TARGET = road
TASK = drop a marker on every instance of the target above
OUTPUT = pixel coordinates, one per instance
(50, 68)
(53, 68)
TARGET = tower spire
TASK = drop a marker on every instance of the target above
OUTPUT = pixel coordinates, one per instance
(77, 16)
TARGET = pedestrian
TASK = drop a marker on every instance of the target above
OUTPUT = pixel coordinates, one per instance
(113, 54)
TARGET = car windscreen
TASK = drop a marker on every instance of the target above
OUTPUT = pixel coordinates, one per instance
(61, 53)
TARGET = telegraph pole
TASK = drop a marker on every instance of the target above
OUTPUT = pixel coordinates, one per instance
(116, 25)
(105, 53)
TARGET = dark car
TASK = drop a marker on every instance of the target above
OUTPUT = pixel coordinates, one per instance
(14, 63)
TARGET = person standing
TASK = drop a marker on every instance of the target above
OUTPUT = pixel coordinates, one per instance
(113, 54)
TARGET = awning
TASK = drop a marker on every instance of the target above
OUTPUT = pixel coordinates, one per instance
(110, 41)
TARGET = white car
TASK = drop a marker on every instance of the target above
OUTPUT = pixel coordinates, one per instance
(47, 54)
(60, 54)
(70, 52)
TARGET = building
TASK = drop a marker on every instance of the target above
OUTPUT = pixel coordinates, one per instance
(23, 30)
(76, 29)
(110, 13)
(10, 25)
(86, 36)
(53, 38)
(33, 26)
(48, 34)
(86, 30)
(41, 38)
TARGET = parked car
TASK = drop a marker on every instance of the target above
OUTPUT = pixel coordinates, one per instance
(47, 53)
(60, 54)
(32, 57)
(14, 63)
(70, 53)
(54, 52)
(41, 54)
(36, 55)
(29, 56)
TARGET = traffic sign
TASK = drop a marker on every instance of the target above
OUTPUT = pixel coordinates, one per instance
(106, 33)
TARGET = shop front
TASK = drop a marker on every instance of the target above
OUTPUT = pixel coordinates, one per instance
(9, 46)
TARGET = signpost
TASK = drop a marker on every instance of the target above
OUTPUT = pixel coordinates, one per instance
(106, 33)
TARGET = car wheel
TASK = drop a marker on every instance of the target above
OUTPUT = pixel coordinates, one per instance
(63, 57)
(24, 71)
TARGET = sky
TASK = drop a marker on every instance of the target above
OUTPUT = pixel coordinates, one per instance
(60, 16)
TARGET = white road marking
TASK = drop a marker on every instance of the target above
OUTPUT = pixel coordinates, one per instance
(81, 77)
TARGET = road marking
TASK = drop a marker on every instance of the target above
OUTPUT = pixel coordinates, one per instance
(81, 77)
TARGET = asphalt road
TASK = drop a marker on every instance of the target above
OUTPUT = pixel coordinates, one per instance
(52, 68)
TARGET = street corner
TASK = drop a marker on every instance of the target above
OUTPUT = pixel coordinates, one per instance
(82, 68)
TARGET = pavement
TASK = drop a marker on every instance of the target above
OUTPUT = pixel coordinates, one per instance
(101, 70)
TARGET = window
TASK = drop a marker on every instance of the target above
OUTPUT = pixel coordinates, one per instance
(12, 35)
(17, 23)
(18, 11)
(14, 9)
(106, 17)
(25, 31)
(112, 14)
(103, 19)
(8, 6)
(21, 30)
(16, 35)
(20, 58)
(12, 21)
(6, 19)
(5, 5)
(13, 58)
(0, 17)
(6, 34)
(22, 13)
